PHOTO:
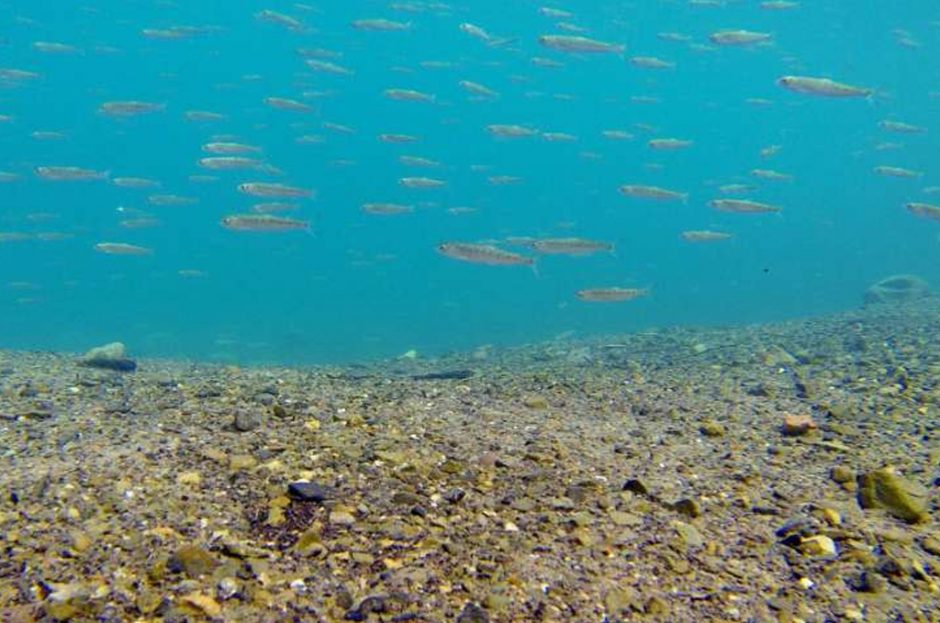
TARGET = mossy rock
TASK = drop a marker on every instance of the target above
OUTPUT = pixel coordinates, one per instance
(885, 488)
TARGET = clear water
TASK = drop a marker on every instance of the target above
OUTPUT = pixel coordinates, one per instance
(364, 286)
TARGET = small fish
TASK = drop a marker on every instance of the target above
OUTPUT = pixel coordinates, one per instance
(380, 25)
(327, 67)
(779, 5)
(263, 223)
(386, 209)
(483, 254)
(139, 223)
(477, 89)
(273, 17)
(579, 44)
(823, 87)
(69, 174)
(203, 115)
(504, 180)
(134, 182)
(271, 207)
(50, 47)
(421, 182)
(611, 295)
(898, 172)
(415, 161)
(559, 137)
(704, 235)
(652, 192)
(129, 108)
(925, 210)
(570, 246)
(284, 103)
(769, 174)
(617, 135)
(122, 248)
(510, 130)
(742, 206)
(669, 144)
(170, 199)
(407, 95)
(232, 163)
(900, 127)
(398, 138)
(739, 38)
(229, 148)
(265, 189)
(651, 62)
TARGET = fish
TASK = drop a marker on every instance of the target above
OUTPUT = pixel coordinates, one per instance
(233, 163)
(263, 223)
(652, 192)
(407, 95)
(280, 19)
(135, 182)
(386, 209)
(229, 148)
(203, 115)
(398, 138)
(139, 223)
(925, 210)
(51, 47)
(421, 182)
(380, 25)
(415, 161)
(704, 235)
(271, 207)
(510, 130)
(284, 103)
(611, 295)
(327, 67)
(477, 89)
(739, 38)
(266, 189)
(617, 135)
(779, 5)
(122, 248)
(483, 254)
(823, 87)
(580, 44)
(559, 137)
(898, 172)
(742, 206)
(69, 174)
(900, 127)
(570, 246)
(669, 144)
(170, 199)
(651, 62)
(129, 108)
(769, 174)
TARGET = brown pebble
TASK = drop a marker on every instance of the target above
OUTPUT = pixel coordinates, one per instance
(795, 425)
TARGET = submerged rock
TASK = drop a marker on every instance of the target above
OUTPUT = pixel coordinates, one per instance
(885, 488)
(109, 357)
(897, 289)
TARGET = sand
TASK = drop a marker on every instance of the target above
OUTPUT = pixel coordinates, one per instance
(634, 477)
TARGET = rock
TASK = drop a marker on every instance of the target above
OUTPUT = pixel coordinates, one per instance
(818, 545)
(795, 425)
(897, 289)
(842, 474)
(689, 534)
(246, 421)
(536, 402)
(109, 357)
(309, 491)
(931, 544)
(688, 507)
(342, 518)
(885, 488)
(711, 428)
(191, 560)
(473, 613)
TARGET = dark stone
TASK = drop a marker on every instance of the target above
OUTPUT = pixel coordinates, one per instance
(309, 492)
(376, 604)
(473, 613)
(635, 486)
(118, 365)
(455, 495)
(246, 421)
(447, 375)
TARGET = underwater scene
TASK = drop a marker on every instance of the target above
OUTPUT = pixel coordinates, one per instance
(469, 311)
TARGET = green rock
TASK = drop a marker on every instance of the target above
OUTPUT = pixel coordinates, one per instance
(885, 488)
(711, 428)
(191, 560)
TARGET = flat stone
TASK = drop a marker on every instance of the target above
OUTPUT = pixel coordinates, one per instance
(885, 488)
(309, 491)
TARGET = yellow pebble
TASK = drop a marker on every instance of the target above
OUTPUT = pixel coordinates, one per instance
(189, 478)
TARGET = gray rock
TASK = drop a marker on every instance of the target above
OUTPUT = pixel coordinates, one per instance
(246, 421)
(109, 357)
(897, 289)
(309, 491)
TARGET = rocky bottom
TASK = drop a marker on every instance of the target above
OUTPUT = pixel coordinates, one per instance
(786, 472)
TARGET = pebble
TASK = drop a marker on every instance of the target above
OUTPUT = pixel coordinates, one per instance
(473, 613)
(818, 545)
(885, 488)
(795, 425)
(342, 518)
(711, 428)
(191, 560)
(246, 421)
(309, 491)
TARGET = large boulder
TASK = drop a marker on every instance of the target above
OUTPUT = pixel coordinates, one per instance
(897, 289)
(111, 356)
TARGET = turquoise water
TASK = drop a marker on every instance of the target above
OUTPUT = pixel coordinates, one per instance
(361, 286)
